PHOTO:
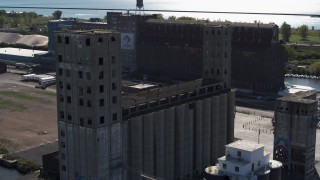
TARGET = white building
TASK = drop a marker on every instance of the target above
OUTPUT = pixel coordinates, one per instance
(244, 160)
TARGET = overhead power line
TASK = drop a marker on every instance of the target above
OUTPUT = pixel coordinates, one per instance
(158, 10)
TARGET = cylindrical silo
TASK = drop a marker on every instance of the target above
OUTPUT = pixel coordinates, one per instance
(275, 168)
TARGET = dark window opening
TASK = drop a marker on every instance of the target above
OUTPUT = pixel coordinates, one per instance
(67, 40)
(113, 73)
(62, 133)
(60, 71)
(101, 88)
(62, 144)
(81, 122)
(60, 58)
(114, 86)
(224, 166)
(101, 75)
(59, 39)
(69, 117)
(101, 119)
(61, 114)
(113, 38)
(100, 40)
(114, 116)
(89, 121)
(64, 168)
(88, 90)
(225, 54)
(88, 76)
(80, 91)
(114, 99)
(80, 74)
(89, 103)
(236, 169)
(101, 61)
(113, 59)
(81, 102)
(225, 71)
(218, 72)
(68, 99)
(68, 87)
(88, 42)
(68, 73)
(101, 102)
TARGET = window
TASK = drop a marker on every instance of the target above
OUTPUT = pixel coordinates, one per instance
(81, 102)
(87, 41)
(113, 73)
(68, 99)
(224, 166)
(258, 163)
(67, 40)
(239, 153)
(62, 133)
(113, 38)
(101, 102)
(89, 103)
(88, 90)
(61, 98)
(80, 91)
(114, 86)
(88, 76)
(64, 168)
(236, 169)
(69, 117)
(100, 40)
(218, 72)
(60, 58)
(80, 74)
(61, 114)
(101, 119)
(101, 75)
(68, 73)
(62, 144)
(60, 71)
(89, 121)
(81, 122)
(113, 59)
(225, 54)
(59, 39)
(101, 61)
(63, 156)
(114, 116)
(114, 99)
(225, 71)
(101, 88)
(68, 87)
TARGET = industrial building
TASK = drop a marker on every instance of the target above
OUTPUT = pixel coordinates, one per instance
(245, 160)
(295, 126)
(258, 60)
(141, 126)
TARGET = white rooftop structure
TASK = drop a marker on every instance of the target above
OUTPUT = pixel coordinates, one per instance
(21, 52)
(244, 160)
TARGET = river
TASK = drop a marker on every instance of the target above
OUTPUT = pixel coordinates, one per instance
(283, 6)
(303, 82)
(9, 174)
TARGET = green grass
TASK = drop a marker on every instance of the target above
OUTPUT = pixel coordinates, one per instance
(312, 38)
(9, 105)
(47, 93)
(18, 95)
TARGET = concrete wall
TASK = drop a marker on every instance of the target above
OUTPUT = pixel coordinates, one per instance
(180, 141)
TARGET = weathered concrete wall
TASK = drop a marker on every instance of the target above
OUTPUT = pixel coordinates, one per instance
(180, 141)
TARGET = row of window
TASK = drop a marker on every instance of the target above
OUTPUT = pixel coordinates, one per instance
(87, 40)
(89, 104)
(217, 71)
(99, 62)
(88, 89)
(89, 120)
(218, 32)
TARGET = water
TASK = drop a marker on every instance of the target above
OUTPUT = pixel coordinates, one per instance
(304, 82)
(283, 6)
(9, 174)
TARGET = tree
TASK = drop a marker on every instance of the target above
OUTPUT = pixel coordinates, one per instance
(186, 18)
(172, 18)
(285, 31)
(2, 20)
(3, 12)
(57, 14)
(303, 31)
(315, 69)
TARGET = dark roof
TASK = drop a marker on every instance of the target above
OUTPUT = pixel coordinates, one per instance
(300, 97)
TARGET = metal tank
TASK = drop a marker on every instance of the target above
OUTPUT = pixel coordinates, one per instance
(275, 168)
(139, 4)
(212, 173)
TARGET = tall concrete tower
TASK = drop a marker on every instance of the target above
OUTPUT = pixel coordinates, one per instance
(295, 133)
(89, 104)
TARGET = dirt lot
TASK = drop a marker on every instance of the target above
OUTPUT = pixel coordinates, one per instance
(27, 115)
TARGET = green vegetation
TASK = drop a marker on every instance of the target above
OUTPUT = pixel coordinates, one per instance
(23, 165)
(303, 31)
(24, 23)
(304, 59)
(18, 95)
(285, 31)
(9, 105)
(57, 14)
(3, 150)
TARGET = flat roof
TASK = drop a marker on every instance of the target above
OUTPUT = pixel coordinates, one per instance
(245, 145)
(89, 32)
(142, 86)
(21, 52)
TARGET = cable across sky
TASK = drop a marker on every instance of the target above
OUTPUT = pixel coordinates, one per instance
(162, 10)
